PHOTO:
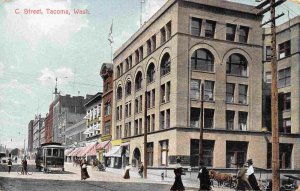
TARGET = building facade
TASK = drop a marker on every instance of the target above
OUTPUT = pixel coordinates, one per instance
(184, 45)
(30, 137)
(67, 111)
(288, 78)
(37, 126)
(93, 118)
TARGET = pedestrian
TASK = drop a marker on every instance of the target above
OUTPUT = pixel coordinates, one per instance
(84, 172)
(141, 170)
(24, 165)
(203, 177)
(126, 174)
(9, 164)
(242, 180)
(178, 185)
(251, 177)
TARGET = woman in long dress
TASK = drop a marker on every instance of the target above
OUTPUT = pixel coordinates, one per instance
(126, 174)
(178, 185)
(242, 180)
(84, 172)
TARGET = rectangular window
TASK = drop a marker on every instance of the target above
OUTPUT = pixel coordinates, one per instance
(230, 120)
(162, 94)
(129, 109)
(268, 53)
(195, 89)
(284, 77)
(236, 153)
(140, 126)
(149, 47)
(196, 26)
(141, 53)
(208, 118)
(208, 150)
(136, 127)
(162, 120)
(136, 105)
(268, 77)
(243, 91)
(195, 117)
(117, 132)
(164, 149)
(150, 154)
(126, 130)
(168, 118)
(286, 126)
(284, 49)
(153, 98)
(210, 28)
(121, 112)
(243, 121)
(285, 155)
(169, 30)
(243, 36)
(229, 93)
(153, 43)
(107, 128)
(107, 108)
(137, 57)
(153, 122)
(148, 99)
(209, 90)
(126, 110)
(141, 103)
(148, 124)
(230, 32)
(117, 113)
(162, 35)
(168, 91)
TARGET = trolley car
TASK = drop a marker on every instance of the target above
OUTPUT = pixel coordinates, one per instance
(50, 156)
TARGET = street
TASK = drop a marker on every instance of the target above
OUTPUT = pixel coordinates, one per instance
(70, 180)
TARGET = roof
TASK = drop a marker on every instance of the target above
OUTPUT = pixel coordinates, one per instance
(93, 99)
(224, 4)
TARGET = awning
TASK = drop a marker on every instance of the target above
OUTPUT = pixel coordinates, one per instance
(104, 145)
(92, 152)
(86, 149)
(68, 151)
(74, 152)
(114, 152)
(125, 144)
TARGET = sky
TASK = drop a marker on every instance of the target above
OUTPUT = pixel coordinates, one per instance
(37, 49)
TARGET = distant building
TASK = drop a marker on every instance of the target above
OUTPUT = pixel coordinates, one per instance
(37, 126)
(93, 118)
(30, 137)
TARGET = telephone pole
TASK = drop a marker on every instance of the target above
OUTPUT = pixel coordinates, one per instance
(201, 126)
(145, 136)
(274, 90)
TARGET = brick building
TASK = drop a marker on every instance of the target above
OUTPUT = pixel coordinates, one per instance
(185, 44)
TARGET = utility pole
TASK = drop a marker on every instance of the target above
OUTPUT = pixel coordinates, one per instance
(145, 136)
(274, 90)
(201, 126)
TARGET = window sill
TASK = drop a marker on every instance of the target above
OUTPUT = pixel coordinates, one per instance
(203, 71)
(163, 103)
(162, 76)
(236, 75)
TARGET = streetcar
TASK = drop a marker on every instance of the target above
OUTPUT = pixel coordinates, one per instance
(50, 156)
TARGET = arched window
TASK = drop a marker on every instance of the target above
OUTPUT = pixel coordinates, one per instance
(202, 60)
(165, 65)
(119, 92)
(151, 73)
(138, 81)
(237, 65)
(128, 88)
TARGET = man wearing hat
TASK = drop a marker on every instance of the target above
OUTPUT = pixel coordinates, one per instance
(203, 176)
(251, 176)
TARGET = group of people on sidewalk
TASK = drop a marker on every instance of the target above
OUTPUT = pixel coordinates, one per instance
(245, 180)
(23, 163)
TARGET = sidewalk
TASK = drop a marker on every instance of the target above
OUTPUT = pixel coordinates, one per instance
(189, 183)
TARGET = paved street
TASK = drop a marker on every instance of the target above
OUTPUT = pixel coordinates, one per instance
(70, 180)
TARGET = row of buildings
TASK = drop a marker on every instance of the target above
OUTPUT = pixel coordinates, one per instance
(155, 83)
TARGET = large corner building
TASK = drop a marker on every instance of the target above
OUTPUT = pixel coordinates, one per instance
(188, 43)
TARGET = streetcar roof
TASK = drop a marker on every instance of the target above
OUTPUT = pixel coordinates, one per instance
(53, 146)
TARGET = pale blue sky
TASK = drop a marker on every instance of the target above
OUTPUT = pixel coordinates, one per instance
(35, 49)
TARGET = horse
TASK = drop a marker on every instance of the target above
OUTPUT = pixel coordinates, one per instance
(221, 178)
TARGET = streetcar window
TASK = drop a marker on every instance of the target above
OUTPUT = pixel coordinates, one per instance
(49, 152)
(61, 153)
(55, 152)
